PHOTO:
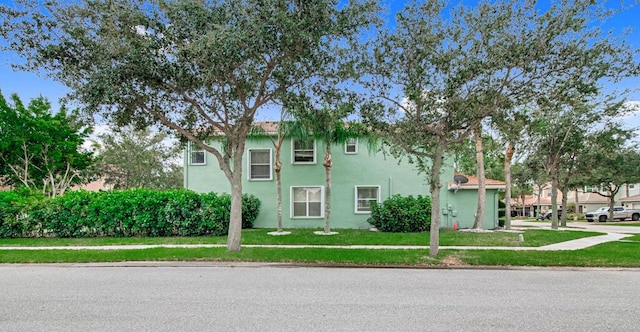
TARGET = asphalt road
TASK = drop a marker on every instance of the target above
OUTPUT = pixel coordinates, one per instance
(209, 297)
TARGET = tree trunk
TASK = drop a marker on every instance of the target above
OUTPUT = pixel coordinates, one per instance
(627, 193)
(434, 190)
(327, 191)
(278, 169)
(234, 238)
(482, 189)
(507, 180)
(565, 193)
(554, 203)
(539, 194)
(612, 203)
(575, 217)
(235, 224)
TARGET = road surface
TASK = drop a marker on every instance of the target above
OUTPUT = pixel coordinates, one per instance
(261, 297)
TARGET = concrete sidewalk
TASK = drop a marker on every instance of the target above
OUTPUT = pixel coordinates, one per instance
(568, 245)
(614, 234)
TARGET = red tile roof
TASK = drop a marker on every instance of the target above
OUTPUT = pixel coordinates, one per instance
(474, 181)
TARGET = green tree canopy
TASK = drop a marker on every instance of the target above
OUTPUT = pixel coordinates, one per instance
(40, 150)
(201, 68)
(139, 159)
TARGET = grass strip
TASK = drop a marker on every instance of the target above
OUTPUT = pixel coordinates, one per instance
(533, 238)
(305, 255)
(612, 254)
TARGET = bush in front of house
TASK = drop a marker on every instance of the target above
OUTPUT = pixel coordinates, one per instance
(402, 214)
(571, 216)
(137, 212)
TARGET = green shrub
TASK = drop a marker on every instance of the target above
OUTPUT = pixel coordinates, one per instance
(570, 216)
(14, 212)
(140, 212)
(402, 214)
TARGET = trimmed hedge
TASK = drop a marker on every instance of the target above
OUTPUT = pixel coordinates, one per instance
(400, 214)
(14, 207)
(137, 212)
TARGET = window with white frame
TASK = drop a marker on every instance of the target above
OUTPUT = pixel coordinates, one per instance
(592, 189)
(196, 155)
(365, 196)
(304, 152)
(307, 202)
(351, 146)
(260, 164)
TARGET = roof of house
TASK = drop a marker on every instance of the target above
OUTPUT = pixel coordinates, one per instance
(270, 127)
(583, 198)
(592, 198)
(474, 182)
(634, 198)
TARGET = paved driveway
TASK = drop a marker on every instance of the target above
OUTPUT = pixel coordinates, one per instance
(583, 225)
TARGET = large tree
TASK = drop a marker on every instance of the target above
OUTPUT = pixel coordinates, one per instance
(418, 77)
(613, 163)
(201, 68)
(132, 158)
(444, 68)
(41, 150)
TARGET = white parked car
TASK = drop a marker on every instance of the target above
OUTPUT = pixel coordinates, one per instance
(619, 213)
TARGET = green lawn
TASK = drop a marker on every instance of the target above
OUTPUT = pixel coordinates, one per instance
(533, 238)
(614, 254)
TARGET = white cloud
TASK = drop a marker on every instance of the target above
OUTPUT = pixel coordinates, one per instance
(633, 105)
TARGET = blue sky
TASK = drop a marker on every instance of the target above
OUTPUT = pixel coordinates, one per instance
(30, 85)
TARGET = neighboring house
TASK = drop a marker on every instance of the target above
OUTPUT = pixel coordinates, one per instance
(631, 202)
(359, 177)
(588, 199)
(96, 185)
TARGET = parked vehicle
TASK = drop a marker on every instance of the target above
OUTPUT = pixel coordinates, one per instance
(547, 215)
(619, 213)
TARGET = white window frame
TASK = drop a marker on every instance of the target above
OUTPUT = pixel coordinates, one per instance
(307, 216)
(250, 175)
(293, 153)
(354, 144)
(356, 199)
(191, 152)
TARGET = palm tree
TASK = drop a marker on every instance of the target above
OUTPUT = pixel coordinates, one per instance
(284, 128)
(328, 125)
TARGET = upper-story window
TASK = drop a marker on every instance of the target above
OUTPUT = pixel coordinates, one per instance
(304, 152)
(351, 146)
(592, 189)
(196, 155)
(260, 164)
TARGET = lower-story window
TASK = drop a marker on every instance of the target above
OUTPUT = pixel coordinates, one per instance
(307, 202)
(365, 196)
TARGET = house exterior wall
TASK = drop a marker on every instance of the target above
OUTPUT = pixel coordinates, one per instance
(364, 168)
(463, 208)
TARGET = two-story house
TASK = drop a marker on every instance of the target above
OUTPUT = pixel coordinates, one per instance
(359, 176)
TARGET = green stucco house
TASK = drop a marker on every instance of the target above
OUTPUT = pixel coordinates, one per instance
(359, 176)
